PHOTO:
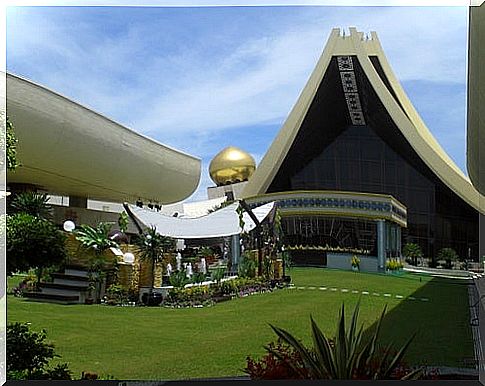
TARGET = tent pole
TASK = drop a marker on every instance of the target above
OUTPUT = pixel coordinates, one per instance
(133, 218)
(246, 207)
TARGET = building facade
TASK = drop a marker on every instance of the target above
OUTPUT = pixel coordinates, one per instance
(354, 131)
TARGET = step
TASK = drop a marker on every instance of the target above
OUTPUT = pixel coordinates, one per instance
(64, 299)
(61, 278)
(66, 287)
(76, 272)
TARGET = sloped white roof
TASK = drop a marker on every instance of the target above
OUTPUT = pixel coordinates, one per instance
(221, 223)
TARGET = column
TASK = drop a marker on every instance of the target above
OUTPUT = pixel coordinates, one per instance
(381, 245)
(398, 241)
(235, 252)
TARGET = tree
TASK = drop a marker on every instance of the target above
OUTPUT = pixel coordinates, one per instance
(12, 162)
(97, 240)
(32, 203)
(412, 251)
(28, 354)
(151, 246)
(449, 255)
(33, 242)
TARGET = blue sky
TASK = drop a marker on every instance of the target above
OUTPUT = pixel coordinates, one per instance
(201, 79)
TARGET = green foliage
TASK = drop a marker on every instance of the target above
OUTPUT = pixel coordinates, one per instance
(198, 277)
(33, 242)
(95, 238)
(218, 274)
(11, 139)
(28, 355)
(412, 251)
(286, 257)
(189, 297)
(205, 252)
(449, 255)
(179, 279)
(247, 266)
(346, 356)
(152, 245)
(123, 221)
(31, 203)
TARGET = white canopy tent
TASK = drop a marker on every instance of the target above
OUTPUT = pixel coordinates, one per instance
(221, 223)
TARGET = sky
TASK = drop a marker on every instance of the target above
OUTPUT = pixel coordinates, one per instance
(202, 79)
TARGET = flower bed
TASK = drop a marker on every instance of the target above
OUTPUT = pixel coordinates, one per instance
(208, 295)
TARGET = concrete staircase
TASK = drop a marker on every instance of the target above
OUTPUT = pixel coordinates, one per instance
(68, 287)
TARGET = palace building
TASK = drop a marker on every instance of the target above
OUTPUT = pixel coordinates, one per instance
(355, 170)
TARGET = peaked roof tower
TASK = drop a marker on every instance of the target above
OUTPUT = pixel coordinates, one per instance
(373, 65)
(353, 129)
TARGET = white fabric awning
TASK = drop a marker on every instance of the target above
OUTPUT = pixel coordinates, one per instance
(223, 222)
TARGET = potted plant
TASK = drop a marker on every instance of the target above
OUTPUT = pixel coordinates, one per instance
(152, 246)
(355, 263)
(96, 240)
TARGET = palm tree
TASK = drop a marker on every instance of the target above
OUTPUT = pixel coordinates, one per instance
(412, 251)
(32, 203)
(96, 239)
(151, 246)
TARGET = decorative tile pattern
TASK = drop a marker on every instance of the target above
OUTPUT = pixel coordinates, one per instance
(345, 63)
(349, 85)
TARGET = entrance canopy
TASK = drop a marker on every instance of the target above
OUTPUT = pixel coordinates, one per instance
(223, 222)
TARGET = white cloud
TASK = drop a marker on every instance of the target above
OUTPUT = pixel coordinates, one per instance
(183, 92)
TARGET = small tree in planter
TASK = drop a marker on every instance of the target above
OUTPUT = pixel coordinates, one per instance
(449, 255)
(151, 246)
(96, 240)
(413, 252)
(355, 262)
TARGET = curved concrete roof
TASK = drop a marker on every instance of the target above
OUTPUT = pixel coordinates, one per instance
(400, 109)
(68, 149)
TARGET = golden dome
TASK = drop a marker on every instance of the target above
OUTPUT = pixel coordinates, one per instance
(231, 165)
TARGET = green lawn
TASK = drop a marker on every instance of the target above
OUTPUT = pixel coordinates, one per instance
(160, 343)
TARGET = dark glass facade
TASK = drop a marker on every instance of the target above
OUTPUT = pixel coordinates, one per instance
(332, 232)
(329, 153)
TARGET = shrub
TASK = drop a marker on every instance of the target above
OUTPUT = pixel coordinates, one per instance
(449, 255)
(179, 279)
(198, 277)
(33, 242)
(189, 297)
(218, 274)
(28, 355)
(248, 266)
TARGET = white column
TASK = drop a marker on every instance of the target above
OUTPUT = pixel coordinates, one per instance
(381, 245)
